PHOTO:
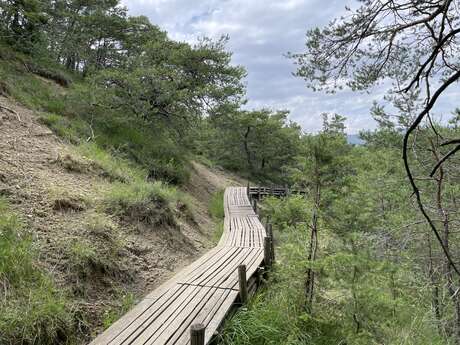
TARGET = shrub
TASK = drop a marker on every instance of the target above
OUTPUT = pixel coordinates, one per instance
(355, 301)
(287, 211)
(151, 148)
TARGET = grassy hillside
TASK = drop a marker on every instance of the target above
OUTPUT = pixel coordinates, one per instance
(95, 211)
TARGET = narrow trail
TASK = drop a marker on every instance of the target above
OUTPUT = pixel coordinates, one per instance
(205, 291)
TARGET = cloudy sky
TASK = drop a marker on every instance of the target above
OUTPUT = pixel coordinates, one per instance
(261, 33)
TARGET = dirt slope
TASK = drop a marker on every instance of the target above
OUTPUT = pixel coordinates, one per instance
(57, 205)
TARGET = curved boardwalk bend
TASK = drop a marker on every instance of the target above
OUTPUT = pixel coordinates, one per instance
(204, 292)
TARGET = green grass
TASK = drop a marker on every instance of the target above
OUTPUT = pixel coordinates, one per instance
(124, 302)
(216, 205)
(89, 259)
(70, 113)
(111, 166)
(103, 227)
(150, 148)
(205, 161)
(99, 253)
(274, 315)
(216, 210)
(142, 201)
(277, 314)
(219, 230)
(33, 310)
(71, 129)
(65, 200)
(28, 88)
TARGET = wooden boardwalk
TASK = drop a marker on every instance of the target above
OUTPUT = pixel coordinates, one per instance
(203, 292)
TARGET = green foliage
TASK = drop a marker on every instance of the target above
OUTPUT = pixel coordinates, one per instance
(287, 212)
(371, 284)
(259, 144)
(381, 299)
(124, 302)
(89, 260)
(216, 209)
(216, 205)
(140, 102)
(72, 130)
(32, 91)
(276, 315)
(112, 167)
(170, 81)
(153, 148)
(22, 23)
(33, 311)
(145, 202)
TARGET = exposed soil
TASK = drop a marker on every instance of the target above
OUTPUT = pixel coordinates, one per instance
(56, 204)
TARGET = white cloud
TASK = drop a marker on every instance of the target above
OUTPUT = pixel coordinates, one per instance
(261, 33)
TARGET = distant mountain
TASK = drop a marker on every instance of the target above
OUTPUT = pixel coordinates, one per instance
(354, 139)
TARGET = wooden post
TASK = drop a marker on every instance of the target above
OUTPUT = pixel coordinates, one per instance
(258, 193)
(243, 283)
(259, 276)
(272, 241)
(197, 332)
(254, 205)
(247, 191)
(267, 249)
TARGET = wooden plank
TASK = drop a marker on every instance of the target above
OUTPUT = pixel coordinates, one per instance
(213, 317)
(158, 312)
(203, 292)
(165, 327)
(213, 300)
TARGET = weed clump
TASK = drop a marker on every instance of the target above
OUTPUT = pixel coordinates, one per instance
(144, 202)
(109, 166)
(69, 205)
(33, 311)
(124, 301)
(70, 129)
(216, 205)
(74, 163)
(102, 250)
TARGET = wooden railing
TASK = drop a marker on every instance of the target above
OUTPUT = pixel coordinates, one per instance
(191, 307)
(260, 192)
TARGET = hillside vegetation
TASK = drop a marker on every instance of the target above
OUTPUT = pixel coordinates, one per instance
(113, 142)
(84, 235)
(356, 264)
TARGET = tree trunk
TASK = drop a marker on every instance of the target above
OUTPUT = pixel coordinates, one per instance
(435, 300)
(246, 149)
(447, 267)
(313, 248)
